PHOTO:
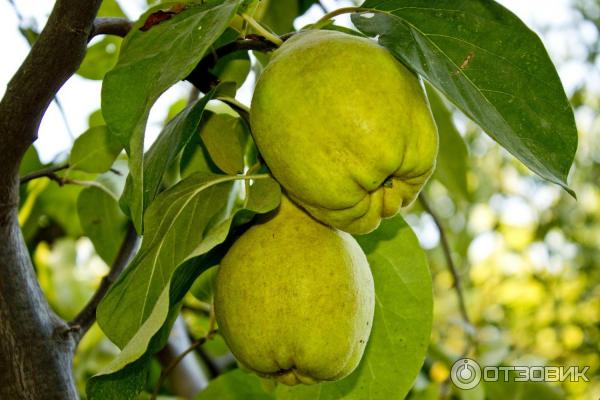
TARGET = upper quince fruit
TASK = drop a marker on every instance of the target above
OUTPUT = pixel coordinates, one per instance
(344, 127)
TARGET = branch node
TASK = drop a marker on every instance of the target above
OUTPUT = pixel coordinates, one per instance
(111, 26)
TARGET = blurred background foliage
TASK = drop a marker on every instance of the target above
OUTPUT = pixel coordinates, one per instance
(527, 253)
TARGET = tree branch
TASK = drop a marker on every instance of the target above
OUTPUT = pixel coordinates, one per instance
(165, 373)
(87, 316)
(111, 26)
(189, 376)
(46, 172)
(201, 76)
(450, 264)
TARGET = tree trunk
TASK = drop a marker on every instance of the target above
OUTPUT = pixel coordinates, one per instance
(36, 347)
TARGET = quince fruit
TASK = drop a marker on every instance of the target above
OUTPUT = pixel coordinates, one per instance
(294, 299)
(344, 127)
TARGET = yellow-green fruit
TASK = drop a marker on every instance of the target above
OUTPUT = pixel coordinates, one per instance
(344, 127)
(294, 299)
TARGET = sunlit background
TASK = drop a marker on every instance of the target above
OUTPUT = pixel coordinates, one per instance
(528, 253)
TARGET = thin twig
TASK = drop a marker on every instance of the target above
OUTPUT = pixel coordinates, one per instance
(87, 316)
(17, 12)
(322, 7)
(324, 20)
(49, 172)
(262, 30)
(61, 181)
(63, 115)
(111, 26)
(165, 373)
(451, 266)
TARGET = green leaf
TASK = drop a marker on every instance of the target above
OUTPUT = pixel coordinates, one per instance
(263, 195)
(203, 288)
(100, 58)
(102, 221)
(488, 63)
(235, 385)
(402, 324)
(125, 384)
(195, 158)
(152, 59)
(110, 8)
(96, 119)
(48, 202)
(30, 162)
(185, 221)
(279, 15)
(225, 138)
(94, 151)
(430, 392)
(165, 149)
(234, 67)
(453, 155)
(128, 372)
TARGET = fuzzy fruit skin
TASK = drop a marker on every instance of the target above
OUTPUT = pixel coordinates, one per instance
(344, 127)
(294, 299)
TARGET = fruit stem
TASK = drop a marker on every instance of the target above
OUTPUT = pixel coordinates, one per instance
(262, 30)
(344, 10)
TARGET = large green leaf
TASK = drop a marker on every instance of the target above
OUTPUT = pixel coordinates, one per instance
(185, 221)
(279, 15)
(100, 58)
(154, 56)
(165, 149)
(126, 375)
(225, 137)
(102, 221)
(31, 161)
(233, 67)
(488, 63)
(122, 385)
(235, 385)
(453, 157)
(402, 324)
(48, 202)
(123, 371)
(95, 150)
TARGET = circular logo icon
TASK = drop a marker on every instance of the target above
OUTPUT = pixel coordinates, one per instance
(465, 374)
